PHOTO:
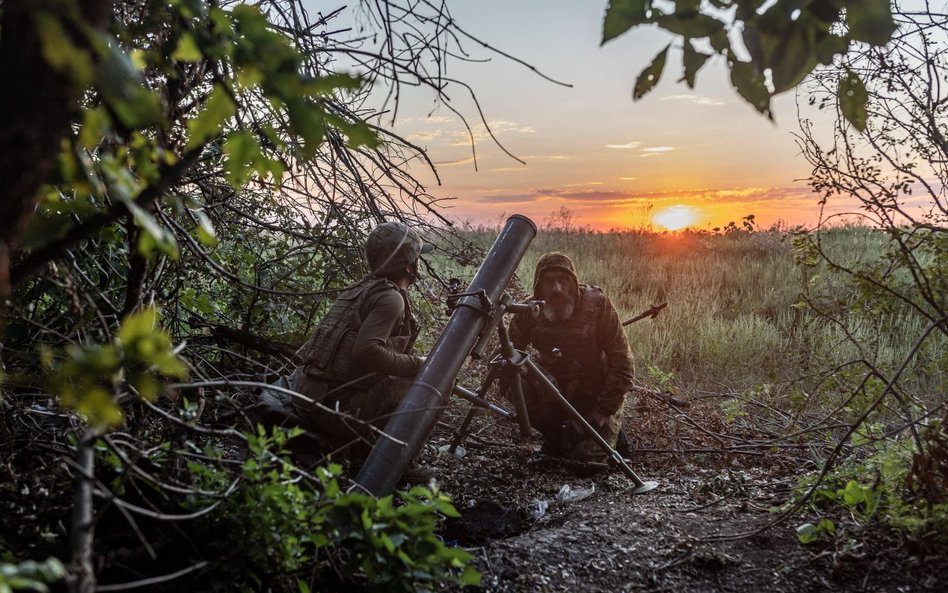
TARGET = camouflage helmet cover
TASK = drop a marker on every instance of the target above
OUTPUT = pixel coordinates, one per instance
(393, 245)
(554, 260)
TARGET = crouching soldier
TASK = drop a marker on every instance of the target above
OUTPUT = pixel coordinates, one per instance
(583, 349)
(359, 361)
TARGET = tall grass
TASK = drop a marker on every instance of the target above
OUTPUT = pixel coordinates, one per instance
(735, 317)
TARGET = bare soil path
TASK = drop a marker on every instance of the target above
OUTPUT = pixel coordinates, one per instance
(535, 525)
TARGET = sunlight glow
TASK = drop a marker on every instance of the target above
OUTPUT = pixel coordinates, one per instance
(675, 217)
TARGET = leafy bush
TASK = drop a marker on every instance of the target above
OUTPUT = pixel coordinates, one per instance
(282, 520)
(29, 575)
(881, 488)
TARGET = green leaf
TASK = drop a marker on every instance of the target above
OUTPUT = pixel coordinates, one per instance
(622, 15)
(59, 52)
(691, 25)
(308, 122)
(791, 60)
(154, 235)
(138, 325)
(808, 533)
(187, 50)
(870, 21)
(360, 134)
(206, 233)
(829, 46)
(852, 97)
(242, 152)
(121, 84)
(220, 107)
(650, 76)
(826, 526)
(325, 85)
(720, 42)
(470, 577)
(95, 124)
(750, 85)
(693, 60)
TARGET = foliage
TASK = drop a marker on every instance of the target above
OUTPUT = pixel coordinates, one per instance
(784, 41)
(278, 522)
(217, 162)
(30, 575)
(895, 171)
(88, 378)
(874, 489)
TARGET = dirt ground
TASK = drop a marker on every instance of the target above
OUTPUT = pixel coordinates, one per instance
(537, 524)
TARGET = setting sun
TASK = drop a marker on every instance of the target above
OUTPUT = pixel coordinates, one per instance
(675, 217)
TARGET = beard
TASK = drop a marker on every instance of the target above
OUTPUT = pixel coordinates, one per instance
(558, 308)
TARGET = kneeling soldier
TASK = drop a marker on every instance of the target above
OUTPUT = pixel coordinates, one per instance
(583, 348)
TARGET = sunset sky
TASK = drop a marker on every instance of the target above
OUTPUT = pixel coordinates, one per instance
(701, 157)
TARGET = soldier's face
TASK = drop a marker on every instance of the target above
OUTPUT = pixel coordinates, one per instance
(558, 289)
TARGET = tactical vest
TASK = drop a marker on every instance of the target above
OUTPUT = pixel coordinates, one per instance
(327, 355)
(571, 350)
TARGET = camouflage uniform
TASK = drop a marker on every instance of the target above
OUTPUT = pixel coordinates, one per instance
(358, 361)
(587, 356)
(332, 374)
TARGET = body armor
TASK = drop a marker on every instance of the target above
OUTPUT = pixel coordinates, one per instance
(571, 350)
(327, 355)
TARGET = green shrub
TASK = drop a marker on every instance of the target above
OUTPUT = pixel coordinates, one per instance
(29, 575)
(876, 489)
(282, 520)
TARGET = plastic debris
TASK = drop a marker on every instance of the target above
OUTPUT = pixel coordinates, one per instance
(567, 494)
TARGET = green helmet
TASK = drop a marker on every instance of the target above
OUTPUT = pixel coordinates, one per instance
(393, 245)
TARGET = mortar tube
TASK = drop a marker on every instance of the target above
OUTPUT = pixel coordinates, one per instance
(418, 411)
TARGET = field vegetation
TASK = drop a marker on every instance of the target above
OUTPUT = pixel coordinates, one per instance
(188, 184)
(746, 309)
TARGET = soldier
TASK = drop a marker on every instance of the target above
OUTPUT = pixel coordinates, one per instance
(583, 349)
(359, 360)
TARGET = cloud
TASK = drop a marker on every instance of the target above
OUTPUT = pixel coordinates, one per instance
(697, 196)
(500, 129)
(626, 146)
(659, 149)
(423, 136)
(509, 199)
(453, 133)
(697, 100)
(451, 163)
(792, 197)
(628, 178)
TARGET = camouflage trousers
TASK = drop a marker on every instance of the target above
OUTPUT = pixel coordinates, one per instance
(562, 434)
(358, 411)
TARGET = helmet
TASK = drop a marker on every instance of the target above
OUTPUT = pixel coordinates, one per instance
(393, 245)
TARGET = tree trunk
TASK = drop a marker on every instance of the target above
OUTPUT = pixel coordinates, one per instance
(37, 104)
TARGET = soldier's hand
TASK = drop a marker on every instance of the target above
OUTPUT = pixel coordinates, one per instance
(598, 419)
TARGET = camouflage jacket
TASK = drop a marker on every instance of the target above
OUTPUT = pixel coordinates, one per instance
(588, 354)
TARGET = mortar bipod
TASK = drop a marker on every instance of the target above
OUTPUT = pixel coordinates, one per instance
(513, 365)
(640, 486)
(507, 362)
